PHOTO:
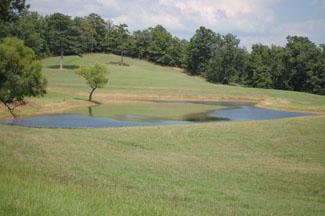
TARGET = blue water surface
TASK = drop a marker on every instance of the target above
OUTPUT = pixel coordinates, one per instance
(238, 112)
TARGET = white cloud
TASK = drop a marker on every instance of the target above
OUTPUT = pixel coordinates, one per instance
(220, 15)
(313, 29)
(318, 3)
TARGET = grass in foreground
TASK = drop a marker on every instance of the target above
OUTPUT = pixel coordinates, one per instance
(248, 168)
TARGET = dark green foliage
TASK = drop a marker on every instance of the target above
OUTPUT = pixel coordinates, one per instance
(62, 35)
(301, 61)
(259, 67)
(227, 61)
(159, 42)
(277, 66)
(8, 8)
(58, 29)
(299, 66)
(97, 32)
(29, 27)
(20, 74)
(200, 50)
(177, 52)
(157, 45)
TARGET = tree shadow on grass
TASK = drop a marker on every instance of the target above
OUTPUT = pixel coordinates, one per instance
(118, 63)
(82, 99)
(69, 67)
(86, 99)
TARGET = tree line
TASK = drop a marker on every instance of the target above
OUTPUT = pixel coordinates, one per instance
(298, 66)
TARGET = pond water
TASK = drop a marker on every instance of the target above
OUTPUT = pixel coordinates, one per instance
(87, 118)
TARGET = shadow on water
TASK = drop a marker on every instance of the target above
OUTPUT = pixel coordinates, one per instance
(203, 117)
(118, 63)
(192, 118)
(70, 67)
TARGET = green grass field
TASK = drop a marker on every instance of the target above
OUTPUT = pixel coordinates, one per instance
(274, 167)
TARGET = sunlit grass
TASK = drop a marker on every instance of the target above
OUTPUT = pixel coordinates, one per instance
(142, 79)
(252, 168)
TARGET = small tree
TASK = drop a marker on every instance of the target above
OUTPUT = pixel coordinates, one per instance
(95, 77)
(20, 74)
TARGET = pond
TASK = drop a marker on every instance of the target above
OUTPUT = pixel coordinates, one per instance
(154, 113)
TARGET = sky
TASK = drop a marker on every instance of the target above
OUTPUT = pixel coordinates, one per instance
(252, 21)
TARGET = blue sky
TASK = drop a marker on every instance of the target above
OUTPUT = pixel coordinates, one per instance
(253, 21)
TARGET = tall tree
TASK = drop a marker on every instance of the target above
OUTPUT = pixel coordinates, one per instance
(227, 61)
(200, 50)
(62, 35)
(177, 53)
(277, 66)
(20, 74)
(141, 40)
(97, 30)
(122, 34)
(83, 33)
(300, 57)
(30, 28)
(260, 67)
(109, 29)
(160, 41)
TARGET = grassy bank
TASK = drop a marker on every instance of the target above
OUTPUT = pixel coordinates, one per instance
(252, 168)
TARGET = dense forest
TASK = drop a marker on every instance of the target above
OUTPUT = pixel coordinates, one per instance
(298, 66)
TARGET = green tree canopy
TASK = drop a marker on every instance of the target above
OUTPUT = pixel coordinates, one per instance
(20, 74)
(62, 35)
(260, 67)
(200, 50)
(301, 57)
(227, 60)
(95, 76)
(10, 7)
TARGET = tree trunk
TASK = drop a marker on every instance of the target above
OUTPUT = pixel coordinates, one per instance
(92, 42)
(61, 65)
(122, 57)
(10, 109)
(91, 93)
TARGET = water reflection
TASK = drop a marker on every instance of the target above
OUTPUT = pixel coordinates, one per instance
(90, 111)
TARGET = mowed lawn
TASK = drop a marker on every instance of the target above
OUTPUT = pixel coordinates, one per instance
(143, 80)
(274, 167)
(249, 168)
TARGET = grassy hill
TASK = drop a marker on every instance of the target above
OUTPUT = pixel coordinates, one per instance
(274, 167)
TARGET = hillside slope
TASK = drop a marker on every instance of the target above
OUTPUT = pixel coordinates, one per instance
(141, 80)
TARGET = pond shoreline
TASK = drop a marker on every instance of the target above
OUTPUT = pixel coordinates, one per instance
(155, 113)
